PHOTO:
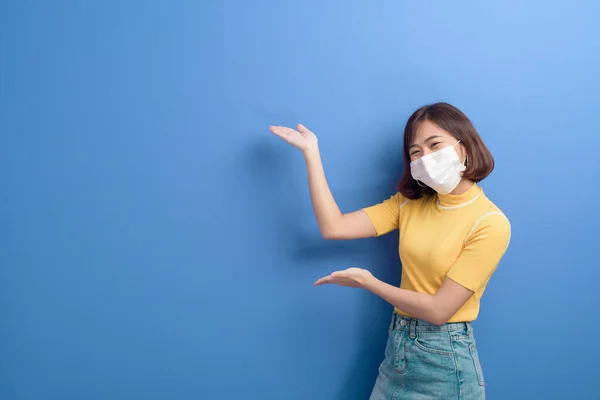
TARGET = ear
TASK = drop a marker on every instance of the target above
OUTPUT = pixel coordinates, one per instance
(463, 154)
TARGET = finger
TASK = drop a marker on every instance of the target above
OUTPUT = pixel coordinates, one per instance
(324, 280)
(283, 132)
(281, 129)
(339, 274)
(276, 130)
(302, 129)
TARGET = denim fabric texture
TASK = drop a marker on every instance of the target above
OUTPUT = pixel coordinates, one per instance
(427, 361)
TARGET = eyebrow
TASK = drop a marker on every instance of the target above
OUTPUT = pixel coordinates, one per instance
(426, 140)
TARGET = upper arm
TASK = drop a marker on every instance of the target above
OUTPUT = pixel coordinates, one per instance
(354, 225)
(370, 221)
(384, 217)
(483, 249)
(449, 298)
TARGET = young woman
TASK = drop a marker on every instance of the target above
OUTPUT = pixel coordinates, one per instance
(452, 238)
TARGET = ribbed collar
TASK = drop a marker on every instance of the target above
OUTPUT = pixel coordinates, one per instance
(450, 201)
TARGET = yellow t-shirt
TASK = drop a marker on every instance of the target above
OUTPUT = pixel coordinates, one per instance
(459, 236)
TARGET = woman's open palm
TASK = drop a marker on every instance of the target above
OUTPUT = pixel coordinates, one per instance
(302, 138)
(351, 277)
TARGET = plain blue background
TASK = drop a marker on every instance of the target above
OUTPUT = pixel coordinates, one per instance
(159, 243)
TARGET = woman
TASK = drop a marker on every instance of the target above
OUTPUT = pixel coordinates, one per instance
(452, 238)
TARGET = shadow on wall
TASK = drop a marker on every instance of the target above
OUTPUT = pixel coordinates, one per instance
(361, 376)
(280, 186)
(278, 180)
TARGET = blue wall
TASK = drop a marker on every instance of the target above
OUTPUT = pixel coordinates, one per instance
(159, 243)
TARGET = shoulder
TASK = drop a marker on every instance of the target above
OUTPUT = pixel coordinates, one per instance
(397, 200)
(421, 202)
(495, 219)
(491, 220)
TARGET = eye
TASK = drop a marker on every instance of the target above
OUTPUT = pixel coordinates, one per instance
(414, 152)
(435, 144)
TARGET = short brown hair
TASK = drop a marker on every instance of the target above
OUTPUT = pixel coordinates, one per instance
(480, 162)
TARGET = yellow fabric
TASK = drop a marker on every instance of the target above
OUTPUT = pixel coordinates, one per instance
(462, 237)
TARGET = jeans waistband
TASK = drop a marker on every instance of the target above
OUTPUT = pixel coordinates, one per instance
(415, 325)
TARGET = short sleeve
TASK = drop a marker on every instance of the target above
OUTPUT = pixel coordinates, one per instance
(385, 216)
(484, 248)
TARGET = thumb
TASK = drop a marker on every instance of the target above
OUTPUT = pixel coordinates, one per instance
(302, 128)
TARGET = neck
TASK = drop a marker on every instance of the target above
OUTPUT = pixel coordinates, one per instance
(462, 187)
(465, 193)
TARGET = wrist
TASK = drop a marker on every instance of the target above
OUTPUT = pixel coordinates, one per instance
(371, 283)
(311, 151)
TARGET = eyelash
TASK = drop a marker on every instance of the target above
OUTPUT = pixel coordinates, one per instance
(416, 151)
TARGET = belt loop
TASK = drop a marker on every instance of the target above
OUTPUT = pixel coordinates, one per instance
(393, 322)
(413, 330)
(469, 329)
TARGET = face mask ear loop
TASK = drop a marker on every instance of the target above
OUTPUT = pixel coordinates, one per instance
(419, 183)
(465, 163)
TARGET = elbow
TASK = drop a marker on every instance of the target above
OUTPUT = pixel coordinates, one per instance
(333, 229)
(329, 234)
(438, 321)
(439, 318)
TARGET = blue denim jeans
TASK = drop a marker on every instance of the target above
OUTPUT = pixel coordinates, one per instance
(426, 361)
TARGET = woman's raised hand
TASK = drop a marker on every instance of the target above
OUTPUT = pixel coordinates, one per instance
(302, 138)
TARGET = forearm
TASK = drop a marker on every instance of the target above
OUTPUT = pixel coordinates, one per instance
(418, 305)
(326, 209)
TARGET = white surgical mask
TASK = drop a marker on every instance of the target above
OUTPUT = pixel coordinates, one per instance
(440, 170)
